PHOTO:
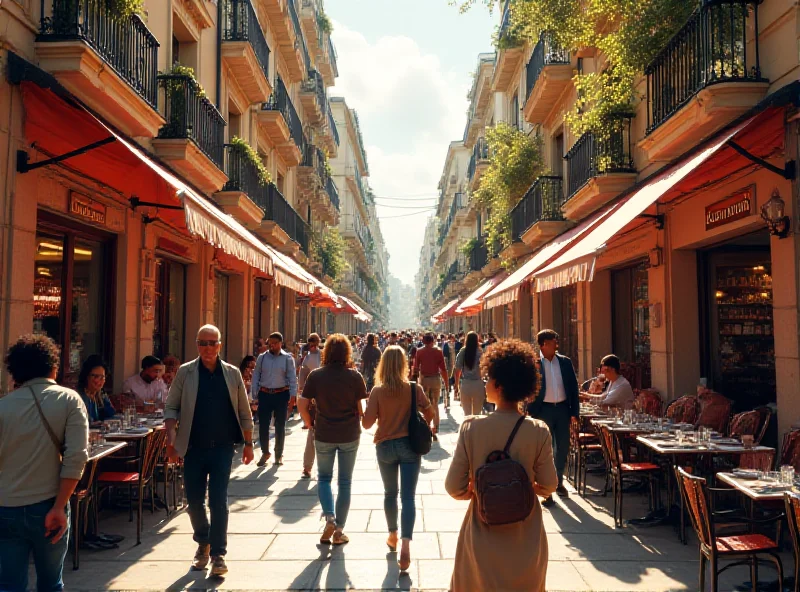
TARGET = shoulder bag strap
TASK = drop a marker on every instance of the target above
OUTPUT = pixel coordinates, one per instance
(46, 423)
(513, 433)
(413, 397)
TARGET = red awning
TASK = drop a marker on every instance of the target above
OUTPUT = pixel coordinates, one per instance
(508, 290)
(445, 311)
(473, 303)
(350, 307)
(717, 160)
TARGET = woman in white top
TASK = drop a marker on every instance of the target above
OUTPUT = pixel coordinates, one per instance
(311, 360)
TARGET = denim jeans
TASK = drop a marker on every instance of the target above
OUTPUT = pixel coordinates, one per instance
(326, 454)
(210, 466)
(22, 533)
(394, 454)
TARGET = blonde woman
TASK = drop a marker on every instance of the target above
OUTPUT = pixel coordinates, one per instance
(390, 405)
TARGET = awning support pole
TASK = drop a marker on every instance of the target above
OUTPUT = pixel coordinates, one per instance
(22, 157)
(788, 172)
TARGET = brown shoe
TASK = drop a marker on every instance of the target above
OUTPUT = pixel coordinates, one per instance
(339, 538)
(218, 566)
(201, 557)
(330, 527)
(263, 460)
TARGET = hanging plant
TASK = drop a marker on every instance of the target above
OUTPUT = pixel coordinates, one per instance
(122, 9)
(328, 249)
(515, 162)
(324, 22)
(469, 246)
(246, 150)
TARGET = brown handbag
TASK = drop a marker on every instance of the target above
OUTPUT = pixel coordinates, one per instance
(59, 446)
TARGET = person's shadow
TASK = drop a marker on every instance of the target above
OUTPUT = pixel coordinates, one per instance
(394, 578)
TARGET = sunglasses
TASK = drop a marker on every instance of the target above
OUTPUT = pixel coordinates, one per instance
(208, 342)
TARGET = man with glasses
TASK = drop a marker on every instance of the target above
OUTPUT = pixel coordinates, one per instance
(209, 399)
(274, 384)
(557, 402)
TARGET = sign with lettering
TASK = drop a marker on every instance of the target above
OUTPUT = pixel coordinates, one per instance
(88, 209)
(737, 206)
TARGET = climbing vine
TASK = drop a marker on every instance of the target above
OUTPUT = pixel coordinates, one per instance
(469, 246)
(327, 249)
(628, 34)
(515, 161)
(324, 22)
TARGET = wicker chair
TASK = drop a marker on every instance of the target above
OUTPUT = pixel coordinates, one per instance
(747, 423)
(715, 411)
(684, 410)
(792, 501)
(759, 460)
(766, 416)
(581, 444)
(648, 401)
(790, 450)
(744, 549)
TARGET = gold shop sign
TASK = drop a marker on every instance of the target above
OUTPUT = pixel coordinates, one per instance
(732, 208)
(88, 209)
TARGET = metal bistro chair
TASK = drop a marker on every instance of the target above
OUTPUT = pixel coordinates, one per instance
(715, 411)
(792, 501)
(143, 478)
(683, 410)
(743, 549)
(581, 444)
(620, 470)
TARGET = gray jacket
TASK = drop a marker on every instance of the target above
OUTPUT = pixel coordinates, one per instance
(183, 396)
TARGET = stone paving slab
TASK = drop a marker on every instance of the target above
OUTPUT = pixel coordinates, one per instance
(275, 524)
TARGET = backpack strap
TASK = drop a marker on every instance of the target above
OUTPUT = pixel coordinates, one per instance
(513, 433)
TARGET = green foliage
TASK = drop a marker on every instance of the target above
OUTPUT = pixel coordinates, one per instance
(370, 281)
(515, 162)
(469, 246)
(123, 9)
(627, 33)
(250, 154)
(328, 249)
(181, 70)
(324, 22)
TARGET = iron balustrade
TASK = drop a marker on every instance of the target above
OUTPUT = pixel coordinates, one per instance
(316, 84)
(278, 210)
(591, 156)
(192, 116)
(479, 256)
(279, 101)
(505, 23)
(300, 40)
(542, 202)
(711, 48)
(457, 204)
(125, 44)
(479, 152)
(332, 125)
(332, 57)
(546, 53)
(315, 158)
(243, 175)
(333, 192)
(241, 24)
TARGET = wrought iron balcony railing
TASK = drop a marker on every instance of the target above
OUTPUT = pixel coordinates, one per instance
(298, 33)
(125, 44)
(542, 202)
(479, 152)
(712, 47)
(192, 116)
(241, 24)
(546, 53)
(332, 125)
(243, 176)
(315, 158)
(333, 57)
(279, 101)
(457, 204)
(591, 156)
(479, 256)
(333, 192)
(316, 84)
(284, 215)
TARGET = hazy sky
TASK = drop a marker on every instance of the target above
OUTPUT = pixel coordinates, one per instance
(406, 68)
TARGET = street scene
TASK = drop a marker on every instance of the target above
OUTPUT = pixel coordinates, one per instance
(464, 295)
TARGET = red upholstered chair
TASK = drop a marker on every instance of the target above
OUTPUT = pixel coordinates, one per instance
(744, 549)
(715, 411)
(581, 444)
(684, 410)
(619, 470)
(648, 401)
(141, 479)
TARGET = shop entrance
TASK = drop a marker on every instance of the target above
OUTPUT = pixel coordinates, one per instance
(565, 320)
(737, 325)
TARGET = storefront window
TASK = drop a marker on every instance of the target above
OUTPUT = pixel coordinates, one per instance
(221, 309)
(168, 328)
(631, 322)
(71, 292)
(565, 315)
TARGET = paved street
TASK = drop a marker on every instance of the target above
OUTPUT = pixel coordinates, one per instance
(274, 545)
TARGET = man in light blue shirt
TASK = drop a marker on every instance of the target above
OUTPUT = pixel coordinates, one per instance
(274, 384)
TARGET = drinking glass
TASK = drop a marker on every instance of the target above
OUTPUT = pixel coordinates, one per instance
(679, 435)
(787, 474)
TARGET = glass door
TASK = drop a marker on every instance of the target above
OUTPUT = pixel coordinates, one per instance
(221, 310)
(168, 326)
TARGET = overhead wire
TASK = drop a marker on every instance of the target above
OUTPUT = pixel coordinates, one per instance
(404, 215)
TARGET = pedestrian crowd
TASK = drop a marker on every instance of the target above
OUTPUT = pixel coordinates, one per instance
(517, 402)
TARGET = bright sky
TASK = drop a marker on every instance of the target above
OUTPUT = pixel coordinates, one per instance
(406, 68)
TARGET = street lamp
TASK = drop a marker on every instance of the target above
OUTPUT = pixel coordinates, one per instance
(774, 214)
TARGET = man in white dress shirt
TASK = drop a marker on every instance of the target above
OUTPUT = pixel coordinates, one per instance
(619, 392)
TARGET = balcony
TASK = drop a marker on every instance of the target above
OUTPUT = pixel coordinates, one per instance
(706, 76)
(314, 187)
(281, 124)
(330, 135)
(110, 64)
(598, 170)
(284, 25)
(193, 138)
(327, 63)
(456, 206)
(245, 50)
(537, 218)
(478, 162)
(509, 58)
(318, 41)
(480, 98)
(547, 75)
(282, 227)
(314, 98)
(243, 191)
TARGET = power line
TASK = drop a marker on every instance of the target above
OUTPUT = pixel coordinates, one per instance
(408, 198)
(409, 207)
(411, 194)
(404, 215)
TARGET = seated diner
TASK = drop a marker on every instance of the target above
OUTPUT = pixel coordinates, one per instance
(619, 392)
(147, 386)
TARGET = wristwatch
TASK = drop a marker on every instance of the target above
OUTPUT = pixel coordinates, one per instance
(248, 443)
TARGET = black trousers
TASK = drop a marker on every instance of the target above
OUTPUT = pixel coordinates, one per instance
(268, 405)
(557, 418)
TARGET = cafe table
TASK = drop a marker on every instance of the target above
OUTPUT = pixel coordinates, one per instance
(756, 490)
